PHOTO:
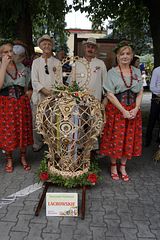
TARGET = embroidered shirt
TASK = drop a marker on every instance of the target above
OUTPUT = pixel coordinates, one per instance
(23, 77)
(116, 85)
(42, 80)
(92, 75)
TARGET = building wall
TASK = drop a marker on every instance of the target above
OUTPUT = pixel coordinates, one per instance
(81, 34)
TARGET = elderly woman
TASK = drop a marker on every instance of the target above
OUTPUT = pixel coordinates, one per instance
(15, 112)
(122, 136)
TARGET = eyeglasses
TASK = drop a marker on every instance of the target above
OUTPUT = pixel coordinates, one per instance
(46, 69)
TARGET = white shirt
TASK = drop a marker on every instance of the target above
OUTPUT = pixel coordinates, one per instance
(42, 80)
(90, 75)
(155, 81)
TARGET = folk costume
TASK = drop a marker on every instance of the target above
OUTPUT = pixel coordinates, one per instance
(122, 137)
(15, 111)
(98, 76)
(42, 76)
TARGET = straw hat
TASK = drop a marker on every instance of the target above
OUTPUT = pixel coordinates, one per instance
(90, 40)
(45, 37)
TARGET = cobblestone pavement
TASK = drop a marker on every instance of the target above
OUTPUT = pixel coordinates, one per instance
(115, 210)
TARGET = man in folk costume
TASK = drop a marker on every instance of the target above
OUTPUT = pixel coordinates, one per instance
(96, 68)
(44, 76)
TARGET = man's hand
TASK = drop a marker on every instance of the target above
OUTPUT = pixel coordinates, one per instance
(45, 92)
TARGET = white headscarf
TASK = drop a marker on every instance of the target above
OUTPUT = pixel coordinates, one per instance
(18, 49)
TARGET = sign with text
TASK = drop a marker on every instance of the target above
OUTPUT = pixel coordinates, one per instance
(62, 204)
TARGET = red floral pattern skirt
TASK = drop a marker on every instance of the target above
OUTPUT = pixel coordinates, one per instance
(121, 137)
(15, 123)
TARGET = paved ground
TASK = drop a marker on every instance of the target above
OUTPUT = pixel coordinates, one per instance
(114, 210)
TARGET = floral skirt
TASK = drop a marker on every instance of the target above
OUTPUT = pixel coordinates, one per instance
(15, 123)
(121, 137)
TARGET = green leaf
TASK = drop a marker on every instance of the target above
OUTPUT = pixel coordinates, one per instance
(72, 181)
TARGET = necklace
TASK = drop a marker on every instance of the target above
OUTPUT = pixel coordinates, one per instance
(16, 73)
(131, 77)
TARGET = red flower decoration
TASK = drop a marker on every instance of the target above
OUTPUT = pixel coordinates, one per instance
(92, 177)
(44, 176)
(76, 94)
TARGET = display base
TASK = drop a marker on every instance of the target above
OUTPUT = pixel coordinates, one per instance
(46, 185)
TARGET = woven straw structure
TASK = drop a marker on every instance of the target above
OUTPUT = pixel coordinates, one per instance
(70, 123)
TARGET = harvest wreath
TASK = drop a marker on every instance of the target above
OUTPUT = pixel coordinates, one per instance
(87, 179)
(70, 121)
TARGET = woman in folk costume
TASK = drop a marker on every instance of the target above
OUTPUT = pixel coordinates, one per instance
(122, 136)
(15, 111)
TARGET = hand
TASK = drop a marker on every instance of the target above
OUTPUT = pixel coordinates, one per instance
(105, 101)
(133, 112)
(45, 92)
(29, 94)
(5, 60)
(126, 114)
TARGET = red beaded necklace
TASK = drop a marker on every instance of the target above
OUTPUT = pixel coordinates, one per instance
(16, 73)
(131, 77)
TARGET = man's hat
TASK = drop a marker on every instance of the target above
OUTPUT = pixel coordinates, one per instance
(45, 37)
(90, 40)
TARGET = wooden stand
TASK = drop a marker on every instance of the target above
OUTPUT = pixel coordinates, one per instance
(46, 185)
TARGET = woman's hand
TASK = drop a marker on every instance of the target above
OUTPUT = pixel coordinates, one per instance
(126, 114)
(29, 94)
(105, 101)
(133, 112)
(5, 60)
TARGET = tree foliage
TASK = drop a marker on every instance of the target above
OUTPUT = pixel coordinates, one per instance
(51, 18)
(131, 19)
(25, 19)
(141, 37)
